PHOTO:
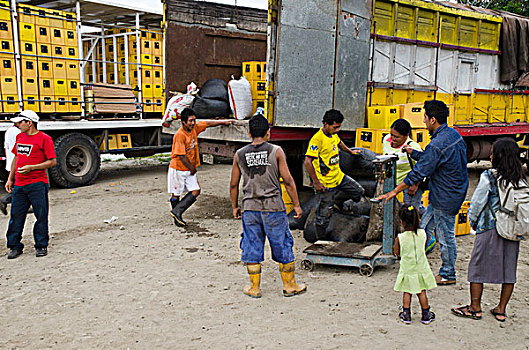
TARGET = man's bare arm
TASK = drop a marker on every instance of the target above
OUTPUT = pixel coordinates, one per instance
(10, 179)
(187, 164)
(388, 196)
(312, 173)
(41, 166)
(346, 149)
(234, 187)
(212, 123)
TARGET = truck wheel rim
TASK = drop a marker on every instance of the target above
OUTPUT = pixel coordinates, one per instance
(78, 161)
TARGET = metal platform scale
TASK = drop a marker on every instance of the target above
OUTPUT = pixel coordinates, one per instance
(364, 256)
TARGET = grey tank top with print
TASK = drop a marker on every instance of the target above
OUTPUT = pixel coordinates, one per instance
(261, 188)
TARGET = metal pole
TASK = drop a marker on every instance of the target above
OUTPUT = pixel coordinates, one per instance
(164, 30)
(126, 47)
(388, 229)
(82, 63)
(104, 54)
(116, 74)
(93, 47)
(14, 21)
(138, 58)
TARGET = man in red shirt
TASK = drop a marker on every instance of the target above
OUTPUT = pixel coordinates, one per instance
(184, 162)
(34, 153)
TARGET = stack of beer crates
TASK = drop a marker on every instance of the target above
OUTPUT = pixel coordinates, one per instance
(255, 73)
(380, 118)
(49, 60)
(8, 82)
(151, 59)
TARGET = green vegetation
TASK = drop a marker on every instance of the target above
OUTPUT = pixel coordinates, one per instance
(520, 7)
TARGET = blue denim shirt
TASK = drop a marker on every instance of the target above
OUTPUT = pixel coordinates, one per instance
(479, 212)
(444, 161)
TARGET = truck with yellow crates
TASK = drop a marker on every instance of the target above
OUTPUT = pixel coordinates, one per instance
(96, 72)
(52, 62)
(374, 59)
(377, 60)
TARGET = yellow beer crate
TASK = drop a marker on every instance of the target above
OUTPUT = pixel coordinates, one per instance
(381, 117)
(462, 222)
(370, 138)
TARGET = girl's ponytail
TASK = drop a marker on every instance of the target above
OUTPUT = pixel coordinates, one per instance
(409, 215)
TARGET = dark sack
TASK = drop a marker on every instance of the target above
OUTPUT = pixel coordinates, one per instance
(360, 165)
(306, 207)
(207, 108)
(215, 89)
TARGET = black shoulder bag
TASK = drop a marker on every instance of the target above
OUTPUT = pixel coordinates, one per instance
(424, 184)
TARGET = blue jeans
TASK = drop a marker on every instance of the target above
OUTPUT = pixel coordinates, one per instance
(256, 226)
(325, 200)
(444, 226)
(415, 200)
(36, 195)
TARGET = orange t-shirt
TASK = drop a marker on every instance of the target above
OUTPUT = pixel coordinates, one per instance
(186, 143)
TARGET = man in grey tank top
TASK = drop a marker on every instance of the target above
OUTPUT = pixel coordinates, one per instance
(263, 210)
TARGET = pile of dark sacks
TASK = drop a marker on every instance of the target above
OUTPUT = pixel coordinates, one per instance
(212, 100)
(349, 220)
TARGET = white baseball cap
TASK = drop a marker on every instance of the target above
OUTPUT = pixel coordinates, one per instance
(26, 115)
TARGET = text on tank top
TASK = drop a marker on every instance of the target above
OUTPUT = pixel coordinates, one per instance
(261, 187)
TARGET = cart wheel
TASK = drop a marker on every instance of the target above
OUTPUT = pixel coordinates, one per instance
(366, 270)
(307, 265)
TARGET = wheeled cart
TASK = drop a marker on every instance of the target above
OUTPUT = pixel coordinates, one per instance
(364, 256)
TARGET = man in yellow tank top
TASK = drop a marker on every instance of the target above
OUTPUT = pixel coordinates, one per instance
(322, 161)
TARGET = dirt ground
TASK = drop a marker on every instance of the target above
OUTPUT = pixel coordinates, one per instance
(140, 282)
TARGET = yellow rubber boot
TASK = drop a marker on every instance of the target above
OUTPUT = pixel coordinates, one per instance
(290, 287)
(254, 271)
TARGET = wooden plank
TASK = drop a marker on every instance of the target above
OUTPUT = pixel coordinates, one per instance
(114, 98)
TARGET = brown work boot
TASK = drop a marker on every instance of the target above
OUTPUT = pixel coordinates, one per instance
(254, 271)
(290, 287)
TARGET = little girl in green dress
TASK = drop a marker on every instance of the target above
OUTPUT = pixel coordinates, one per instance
(415, 275)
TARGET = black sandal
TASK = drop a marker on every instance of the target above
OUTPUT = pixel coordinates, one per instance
(464, 311)
(496, 314)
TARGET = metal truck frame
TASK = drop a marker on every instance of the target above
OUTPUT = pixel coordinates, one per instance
(78, 153)
(354, 54)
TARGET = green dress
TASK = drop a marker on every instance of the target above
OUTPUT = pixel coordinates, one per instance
(415, 274)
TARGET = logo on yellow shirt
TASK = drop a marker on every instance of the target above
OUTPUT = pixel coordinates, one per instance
(334, 160)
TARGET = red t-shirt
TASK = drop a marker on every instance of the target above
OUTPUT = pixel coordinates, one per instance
(32, 150)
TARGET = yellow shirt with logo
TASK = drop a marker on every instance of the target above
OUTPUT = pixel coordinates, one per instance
(326, 159)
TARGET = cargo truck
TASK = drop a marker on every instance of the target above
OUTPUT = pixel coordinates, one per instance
(372, 58)
(95, 73)
(45, 55)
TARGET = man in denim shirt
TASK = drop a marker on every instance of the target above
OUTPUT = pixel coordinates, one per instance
(444, 162)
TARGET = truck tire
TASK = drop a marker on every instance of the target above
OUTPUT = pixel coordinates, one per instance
(78, 161)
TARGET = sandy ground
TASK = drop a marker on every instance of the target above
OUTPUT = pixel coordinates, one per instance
(141, 282)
